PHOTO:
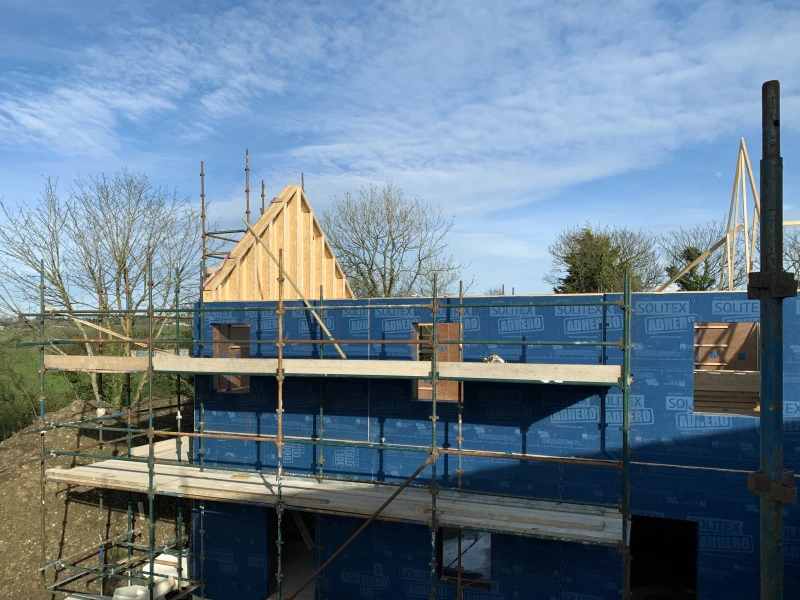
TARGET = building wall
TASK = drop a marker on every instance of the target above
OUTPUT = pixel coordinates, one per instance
(552, 420)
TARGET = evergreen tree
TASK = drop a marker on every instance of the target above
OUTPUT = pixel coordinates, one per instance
(587, 260)
(699, 278)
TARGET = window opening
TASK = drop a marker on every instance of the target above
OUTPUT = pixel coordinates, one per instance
(476, 557)
(231, 342)
(425, 335)
(446, 391)
(727, 376)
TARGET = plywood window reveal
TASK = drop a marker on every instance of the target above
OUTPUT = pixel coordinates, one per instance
(446, 391)
(727, 377)
(231, 341)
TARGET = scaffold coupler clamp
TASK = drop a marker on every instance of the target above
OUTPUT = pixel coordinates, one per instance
(782, 491)
(771, 285)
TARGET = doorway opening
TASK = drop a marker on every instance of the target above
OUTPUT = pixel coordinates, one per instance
(299, 554)
(663, 558)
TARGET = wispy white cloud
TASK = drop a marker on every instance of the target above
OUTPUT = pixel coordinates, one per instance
(467, 102)
(407, 86)
(478, 107)
(191, 69)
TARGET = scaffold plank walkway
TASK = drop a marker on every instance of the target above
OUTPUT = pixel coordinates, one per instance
(537, 518)
(385, 369)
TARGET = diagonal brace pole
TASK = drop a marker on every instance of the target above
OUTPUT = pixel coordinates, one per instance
(699, 259)
(363, 526)
(296, 289)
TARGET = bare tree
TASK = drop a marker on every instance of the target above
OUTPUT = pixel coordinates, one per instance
(390, 245)
(494, 290)
(88, 238)
(791, 251)
(593, 259)
(683, 246)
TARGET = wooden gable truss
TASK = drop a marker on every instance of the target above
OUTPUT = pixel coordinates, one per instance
(249, 274)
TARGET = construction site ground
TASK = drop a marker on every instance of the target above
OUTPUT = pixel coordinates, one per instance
(73, 519)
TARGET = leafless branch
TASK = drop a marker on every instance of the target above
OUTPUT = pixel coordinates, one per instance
(390, 245)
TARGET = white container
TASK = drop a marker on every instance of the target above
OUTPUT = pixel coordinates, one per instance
(141, 592)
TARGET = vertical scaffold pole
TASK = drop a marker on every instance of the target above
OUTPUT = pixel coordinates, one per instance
(100, 536)
(43, 532)
(279, 437)
(320, 456)
(179, 416)
(321, 426)
(247, 182)
(201, 347)
(770, 286)
(200, 389)
(460, 436)
(128, 332)
(150, 461)
(434, 384)
(203, 549)
(460, 407)
(625, 388)
(202, 224)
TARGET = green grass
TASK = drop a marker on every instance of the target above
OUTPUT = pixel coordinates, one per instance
(19, 375)
(19, 382)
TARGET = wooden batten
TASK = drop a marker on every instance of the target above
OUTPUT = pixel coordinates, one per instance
(288, 224)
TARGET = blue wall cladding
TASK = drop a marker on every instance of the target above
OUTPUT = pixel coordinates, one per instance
(487, 323)
(537, 419)
(390, 561)
(236, 550)
(668, 431)
(549, 420)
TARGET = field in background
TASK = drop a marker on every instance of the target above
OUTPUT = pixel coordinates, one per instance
(19, 374)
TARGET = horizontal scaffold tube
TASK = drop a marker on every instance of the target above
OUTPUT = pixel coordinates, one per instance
(401, 342)
(398, 447)
(443, 305)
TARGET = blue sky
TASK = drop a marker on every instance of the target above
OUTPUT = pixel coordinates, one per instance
(521, 118)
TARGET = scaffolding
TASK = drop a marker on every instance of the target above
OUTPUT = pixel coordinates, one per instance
(149, 468)
(770, 482)
(141, 560)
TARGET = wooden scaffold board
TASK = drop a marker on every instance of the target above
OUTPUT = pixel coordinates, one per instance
(602, 375)
(536, 518)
